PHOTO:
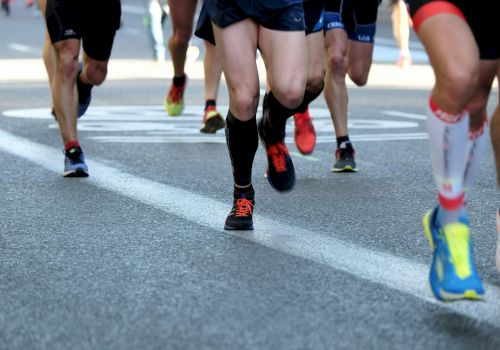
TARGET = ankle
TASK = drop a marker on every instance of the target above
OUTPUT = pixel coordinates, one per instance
(246, 190)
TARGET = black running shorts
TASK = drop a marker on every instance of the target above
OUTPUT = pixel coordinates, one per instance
(94, 22)
(481, 15)
(314, 11)
(313, 14)
(204, 28)
(284, 15)
(357, 17)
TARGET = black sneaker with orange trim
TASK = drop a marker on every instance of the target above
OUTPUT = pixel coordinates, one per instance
(212, 121)
(240, 216)
(280, 171)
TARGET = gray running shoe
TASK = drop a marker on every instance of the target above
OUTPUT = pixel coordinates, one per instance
(344, 161)
(74, 163)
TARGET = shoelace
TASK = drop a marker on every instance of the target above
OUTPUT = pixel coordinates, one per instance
(278, 152)
(459, 253)
(243, 207)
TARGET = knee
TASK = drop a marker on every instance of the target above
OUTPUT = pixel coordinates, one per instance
(181, 36)
(457, 86)
(289, 95)
(337, 66)
(245, 104)
(67, 61)
(96, 73)
(315, 81)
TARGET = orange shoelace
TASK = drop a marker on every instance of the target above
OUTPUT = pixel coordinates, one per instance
(277, 152)
(244, 207)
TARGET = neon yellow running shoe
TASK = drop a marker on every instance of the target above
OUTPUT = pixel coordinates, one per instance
(453, 275)
(174, 102)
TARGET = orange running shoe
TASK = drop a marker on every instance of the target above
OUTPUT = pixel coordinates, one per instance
(305, 135)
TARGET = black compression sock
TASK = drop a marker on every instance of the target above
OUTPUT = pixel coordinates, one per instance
(308, 98)
(179, 81)
(242, 142)
(247, 191)
(344, 142)
(210, 103)
(274, 118)
(278, 114)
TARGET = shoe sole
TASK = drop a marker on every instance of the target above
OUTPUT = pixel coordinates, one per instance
(346, 169)
(280, 189)
(469, 294)
(305, 153)
(212, 125)
(76, 173)
(231, 228)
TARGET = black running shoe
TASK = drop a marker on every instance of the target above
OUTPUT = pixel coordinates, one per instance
(280, 171)
(212, 121)
(240, 217)
(344, 161)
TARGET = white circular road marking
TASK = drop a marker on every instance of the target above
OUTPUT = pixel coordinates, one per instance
(151, 124)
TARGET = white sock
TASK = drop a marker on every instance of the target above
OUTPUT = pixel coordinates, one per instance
(447, 139)
(404, 52)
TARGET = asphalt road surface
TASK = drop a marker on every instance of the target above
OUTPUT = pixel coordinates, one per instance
(135, 256)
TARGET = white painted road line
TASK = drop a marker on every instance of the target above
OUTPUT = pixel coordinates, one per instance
(306, 157)
(405, 115)
(390, 271)
(20, 47)
(219, 138)
(381, 75)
